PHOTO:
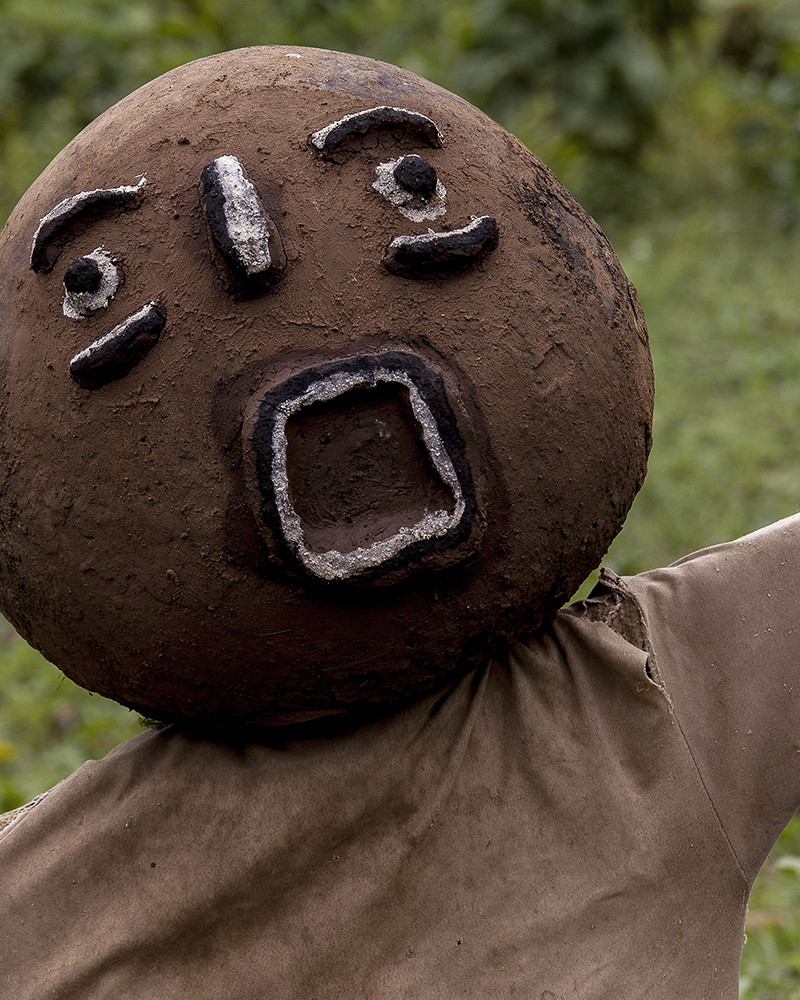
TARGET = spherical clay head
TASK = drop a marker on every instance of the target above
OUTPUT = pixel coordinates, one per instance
(325, 426)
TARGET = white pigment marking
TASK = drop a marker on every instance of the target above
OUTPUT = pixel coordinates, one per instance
(78, 305)
(244, 219)
(318, 138)
(412, 206)
(66, 206)
(425, 238)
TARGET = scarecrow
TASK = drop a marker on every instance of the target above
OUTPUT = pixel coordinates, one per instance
(320, 396)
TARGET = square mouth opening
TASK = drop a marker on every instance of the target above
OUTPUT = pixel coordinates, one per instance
(358, 470)
(361, 468)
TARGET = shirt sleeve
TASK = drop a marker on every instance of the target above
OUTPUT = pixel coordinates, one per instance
(723, 630)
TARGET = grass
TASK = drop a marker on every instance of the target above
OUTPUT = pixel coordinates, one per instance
(725, 334)
(771, 955)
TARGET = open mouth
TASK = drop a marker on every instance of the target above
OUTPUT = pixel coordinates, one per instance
(360, 469)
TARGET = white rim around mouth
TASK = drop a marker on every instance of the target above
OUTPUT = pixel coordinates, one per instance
(333, 564)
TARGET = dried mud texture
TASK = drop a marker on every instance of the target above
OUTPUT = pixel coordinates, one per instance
(131, 551)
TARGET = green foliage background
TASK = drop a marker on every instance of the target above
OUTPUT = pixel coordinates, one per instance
(675, 122)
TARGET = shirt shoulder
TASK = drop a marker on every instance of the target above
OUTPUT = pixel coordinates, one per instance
(721, 628)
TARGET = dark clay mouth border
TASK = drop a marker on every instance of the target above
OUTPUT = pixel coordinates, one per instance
(405, 550)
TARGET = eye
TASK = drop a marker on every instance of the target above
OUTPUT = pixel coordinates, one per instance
(416, 176)
(90, 283)
(411, 184)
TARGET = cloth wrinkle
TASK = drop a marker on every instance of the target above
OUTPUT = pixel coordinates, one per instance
(575, 818)
(607, 603)
(613, 604)
(626, 590)
(739, 865)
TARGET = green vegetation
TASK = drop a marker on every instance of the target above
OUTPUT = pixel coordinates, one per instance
(48, 725)
(771, 958)
(675, 122)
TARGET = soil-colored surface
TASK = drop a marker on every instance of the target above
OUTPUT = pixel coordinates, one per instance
(132, 550)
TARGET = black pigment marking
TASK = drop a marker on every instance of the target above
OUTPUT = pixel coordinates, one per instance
(414, 174)
(375, 118)
(214, 208)
(432, 389)
(441, 253)
(90, 205)
(118, 355)
(213, 199)
(551, 208)
(83, 275)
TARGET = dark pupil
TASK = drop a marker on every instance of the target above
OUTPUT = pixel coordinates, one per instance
(416, 175)
(83, 275)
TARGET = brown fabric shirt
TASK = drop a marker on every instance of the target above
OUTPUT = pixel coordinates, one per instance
(581, 821)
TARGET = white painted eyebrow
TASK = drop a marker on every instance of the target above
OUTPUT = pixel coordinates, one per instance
(327, 139)
(59, 219)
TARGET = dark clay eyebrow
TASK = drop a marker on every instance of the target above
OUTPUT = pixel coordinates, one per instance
(87, 204)
(114, 354)
(328, 139)
(441, 253)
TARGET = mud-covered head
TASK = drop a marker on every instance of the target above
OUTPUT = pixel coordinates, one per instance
(316, 386)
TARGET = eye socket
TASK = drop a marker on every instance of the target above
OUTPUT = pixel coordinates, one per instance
(90, 283)
(411, 185)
